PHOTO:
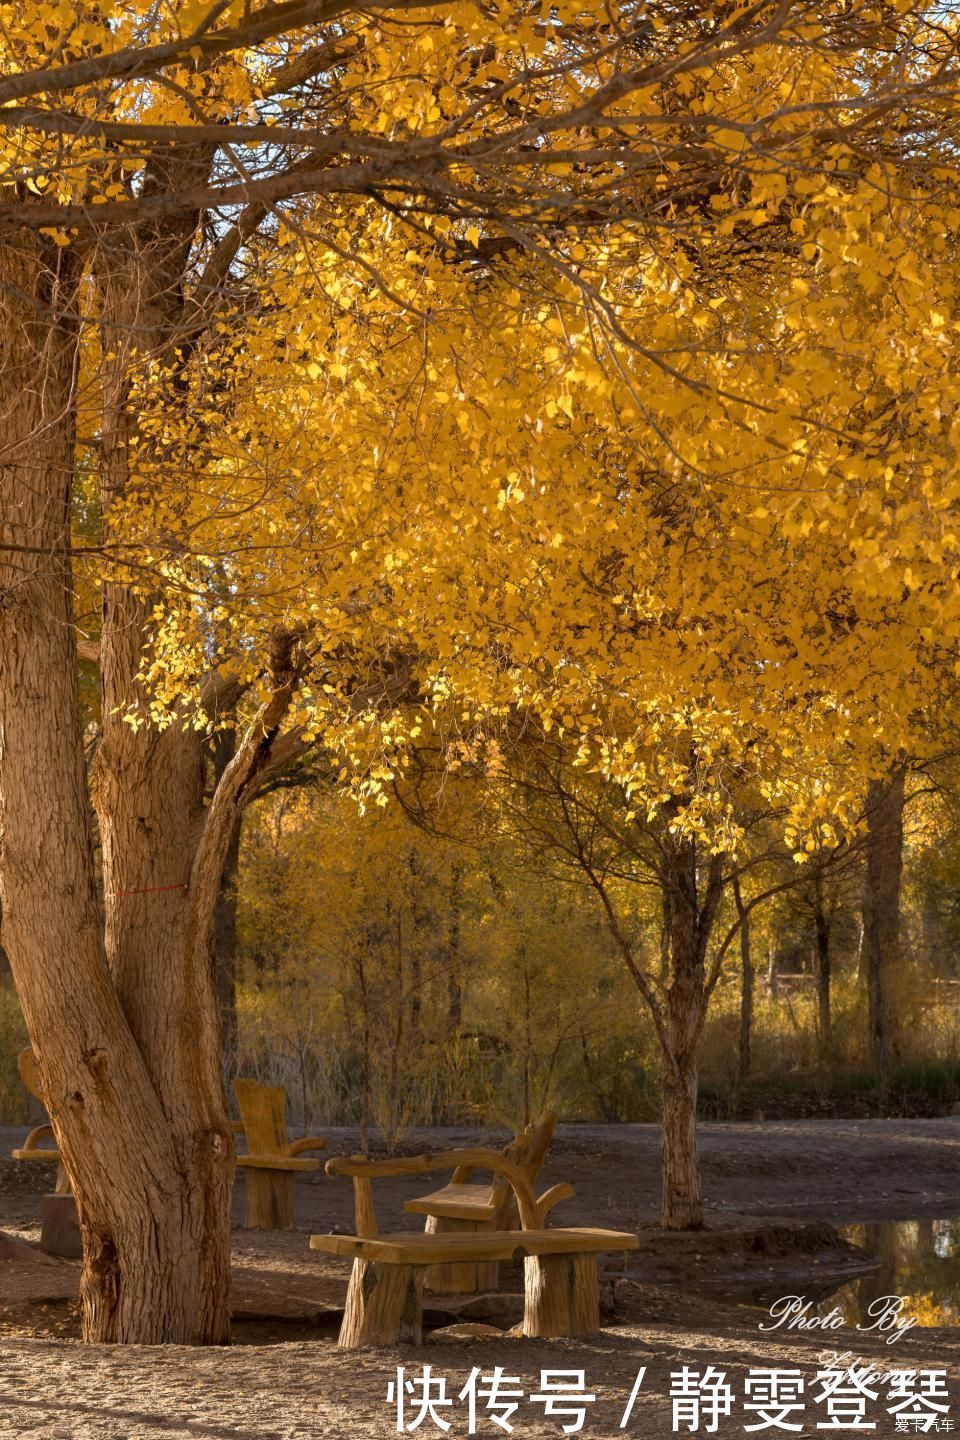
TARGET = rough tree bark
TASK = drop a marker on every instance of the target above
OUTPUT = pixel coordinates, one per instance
(148, 789)
(131, 1153)
(121, 1005)
(681, 1196)
(881, 917)
(677, 1002)
(225, 917)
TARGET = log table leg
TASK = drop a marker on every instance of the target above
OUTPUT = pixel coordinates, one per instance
(463, 1277)
(561, 1296)
(269, 1199)
(384, 1305)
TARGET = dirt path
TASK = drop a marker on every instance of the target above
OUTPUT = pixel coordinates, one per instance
(54, 1391)
(843, 1170)
(270, 1386)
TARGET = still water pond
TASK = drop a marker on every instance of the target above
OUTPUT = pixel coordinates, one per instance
(918, 1259)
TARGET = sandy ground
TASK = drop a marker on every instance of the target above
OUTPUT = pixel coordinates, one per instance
(311, 1389)
(770, 1187)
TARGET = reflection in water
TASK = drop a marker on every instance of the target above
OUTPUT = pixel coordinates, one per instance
(919, 1259)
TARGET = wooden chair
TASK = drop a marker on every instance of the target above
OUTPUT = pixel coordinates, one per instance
(464, 1207)
(31, 1148)
(271, 1160)
(385, 1295)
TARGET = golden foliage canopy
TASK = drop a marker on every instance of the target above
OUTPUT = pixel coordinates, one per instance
(594, 365)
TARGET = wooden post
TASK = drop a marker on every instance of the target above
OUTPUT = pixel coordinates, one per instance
(561, 1296)
(365, 1216)
(269, 1199)
(465, 1277)
(384, 1305)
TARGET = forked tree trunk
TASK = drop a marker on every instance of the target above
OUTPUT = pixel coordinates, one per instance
(151, 1171)
(148, 795)
(881, 917)
(121, 1007)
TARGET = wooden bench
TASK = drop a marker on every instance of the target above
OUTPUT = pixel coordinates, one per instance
(272, 1160)
(385, 1293)
(31, 1148)
(465, 1208)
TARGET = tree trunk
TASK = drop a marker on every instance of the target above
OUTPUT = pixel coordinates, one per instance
(934, 950)
(225, 917)
(881, 918)
(666, 927)
(454, 956)
(822, 930)
(681, 1198)
(148, 793)
(225, 953)
(150, 1177)
(121, 1006)
(746, 988)
(159, 899)
(527, 1042)
(365, 1081)
(394, 1109)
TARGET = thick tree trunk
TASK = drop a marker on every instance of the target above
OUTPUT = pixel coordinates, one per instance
(666, 928)
(225, 953)
(148, 794)
(148, 797)
(225, 916)
(881, 917)
(121, 1009)
(149, 1174)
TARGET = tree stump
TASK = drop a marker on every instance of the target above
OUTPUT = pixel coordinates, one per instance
(384, 1305)
(269, 1199)
(60, 1227)
(463, 1277)
(561, 1296)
